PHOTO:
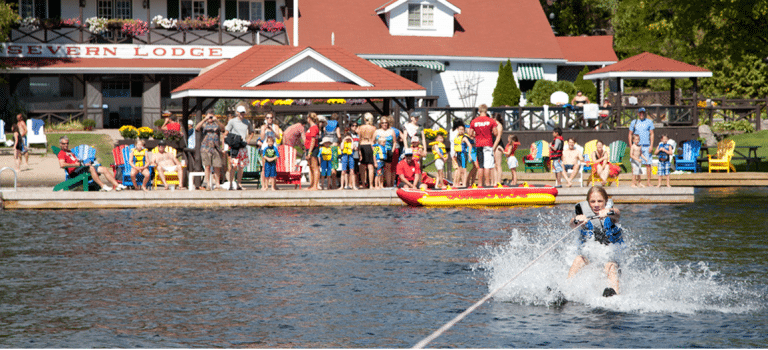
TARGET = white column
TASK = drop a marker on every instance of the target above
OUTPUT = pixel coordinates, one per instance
(295, 22)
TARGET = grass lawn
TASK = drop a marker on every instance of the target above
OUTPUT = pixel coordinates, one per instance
(752, 139)
(102, 143)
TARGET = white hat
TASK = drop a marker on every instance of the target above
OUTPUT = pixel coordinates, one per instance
(191, 122)
(240, 109)
(327, 139)
(321, 118)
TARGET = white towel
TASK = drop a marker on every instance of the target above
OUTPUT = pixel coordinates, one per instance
(590, 111)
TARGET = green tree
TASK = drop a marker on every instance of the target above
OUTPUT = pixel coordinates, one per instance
(586, 86)
(7, 17)
(506, 92)
(580, 17)
(745, 79)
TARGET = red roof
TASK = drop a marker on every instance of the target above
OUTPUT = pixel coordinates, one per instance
(501, 28)
(588, 48)
(258, 60)
(648, 65)
(109, 65)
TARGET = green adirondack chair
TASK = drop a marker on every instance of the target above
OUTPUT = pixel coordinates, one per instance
(617, 150)
(539, 160)
(79, 181)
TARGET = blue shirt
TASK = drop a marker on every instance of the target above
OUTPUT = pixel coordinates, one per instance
(268, 152)
(643, 129)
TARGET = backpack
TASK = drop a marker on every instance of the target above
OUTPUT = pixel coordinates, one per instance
(234, 141)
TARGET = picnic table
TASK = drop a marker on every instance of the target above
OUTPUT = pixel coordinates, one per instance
(751, 156)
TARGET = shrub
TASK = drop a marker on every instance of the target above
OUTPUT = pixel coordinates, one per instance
(88, 124)
(741, 125)
(586, 86)
(539, 95)
(567, 87)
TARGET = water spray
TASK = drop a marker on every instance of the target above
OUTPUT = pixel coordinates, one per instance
(424, 342)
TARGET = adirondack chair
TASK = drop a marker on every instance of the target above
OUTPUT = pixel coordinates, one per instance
(539, 157)
(3, 138)
(579, 168)
(589, 147)
(171, 177)
(119, 166)
(617, 149)
(127, 154)
(36, 132)
(288, 172)
(84, 153)
(253, 170)
(722, 160)
(687, 161)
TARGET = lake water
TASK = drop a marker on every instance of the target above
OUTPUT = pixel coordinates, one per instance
(692, 275)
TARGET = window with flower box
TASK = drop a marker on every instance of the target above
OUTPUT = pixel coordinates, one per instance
(114, 9)
(254, 10)
(192, 9)
(421, 16)
(33, 8)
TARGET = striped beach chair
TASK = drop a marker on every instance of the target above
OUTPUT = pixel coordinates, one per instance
(253, 170)
(288, 172)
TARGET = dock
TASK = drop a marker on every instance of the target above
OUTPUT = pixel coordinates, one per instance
(45, 198)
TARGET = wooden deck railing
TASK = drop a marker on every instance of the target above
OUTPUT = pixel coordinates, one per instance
(155, 36)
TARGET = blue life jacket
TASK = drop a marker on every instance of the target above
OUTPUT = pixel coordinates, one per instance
(603, 230)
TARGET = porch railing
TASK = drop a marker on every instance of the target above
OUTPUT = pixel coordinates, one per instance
(155, 36)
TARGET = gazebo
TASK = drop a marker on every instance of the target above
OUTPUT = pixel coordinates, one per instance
(287, 72)
(650, 66)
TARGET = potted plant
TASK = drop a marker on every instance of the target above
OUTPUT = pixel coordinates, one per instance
(88, 124)
(145, 132)
(128, 132)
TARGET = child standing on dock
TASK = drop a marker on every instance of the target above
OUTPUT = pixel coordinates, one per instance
(509, 152)
(664, 150)
(438, 149)
(347, 163)
(270, 154)
(635, 155)
(326, 155)
(379, 157)
(556, 155)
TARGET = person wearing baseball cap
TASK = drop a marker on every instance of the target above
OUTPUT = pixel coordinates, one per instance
(643, 127)
(409, 171)
(244, 128)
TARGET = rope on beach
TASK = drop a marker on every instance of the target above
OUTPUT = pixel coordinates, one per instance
(447, 326)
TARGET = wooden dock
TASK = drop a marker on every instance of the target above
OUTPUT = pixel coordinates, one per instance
(721, 179)
(44, 198)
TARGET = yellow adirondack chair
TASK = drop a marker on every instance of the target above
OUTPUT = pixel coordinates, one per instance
(590, 148)
(171, 177)
(722, 159)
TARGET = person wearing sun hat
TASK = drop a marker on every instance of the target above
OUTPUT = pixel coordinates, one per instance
(643, 127)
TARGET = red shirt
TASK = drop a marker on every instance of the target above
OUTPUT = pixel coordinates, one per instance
(311, 135)
(173, 126)
(409, 171)
(69, 158)
(483, 127)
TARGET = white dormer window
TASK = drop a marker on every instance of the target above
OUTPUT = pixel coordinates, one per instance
(421, 15)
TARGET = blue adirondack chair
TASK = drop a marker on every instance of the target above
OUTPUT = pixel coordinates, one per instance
(687, 161)
(84, 153)
(126, 176)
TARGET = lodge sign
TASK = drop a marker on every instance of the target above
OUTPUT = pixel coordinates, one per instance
(119, 51)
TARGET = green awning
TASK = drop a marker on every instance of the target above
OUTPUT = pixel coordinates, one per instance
(530, 71)
(434, 65)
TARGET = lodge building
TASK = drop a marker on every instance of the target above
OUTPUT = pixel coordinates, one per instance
(118, 72)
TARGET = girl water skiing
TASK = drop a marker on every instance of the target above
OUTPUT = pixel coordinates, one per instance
(597, 219)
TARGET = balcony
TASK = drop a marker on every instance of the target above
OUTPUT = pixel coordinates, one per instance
(114, 34)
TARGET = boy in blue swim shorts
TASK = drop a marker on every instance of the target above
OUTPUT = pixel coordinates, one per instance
(270, 154)
(379, 158)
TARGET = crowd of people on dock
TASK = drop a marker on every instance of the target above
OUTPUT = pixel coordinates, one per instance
(369, 153)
